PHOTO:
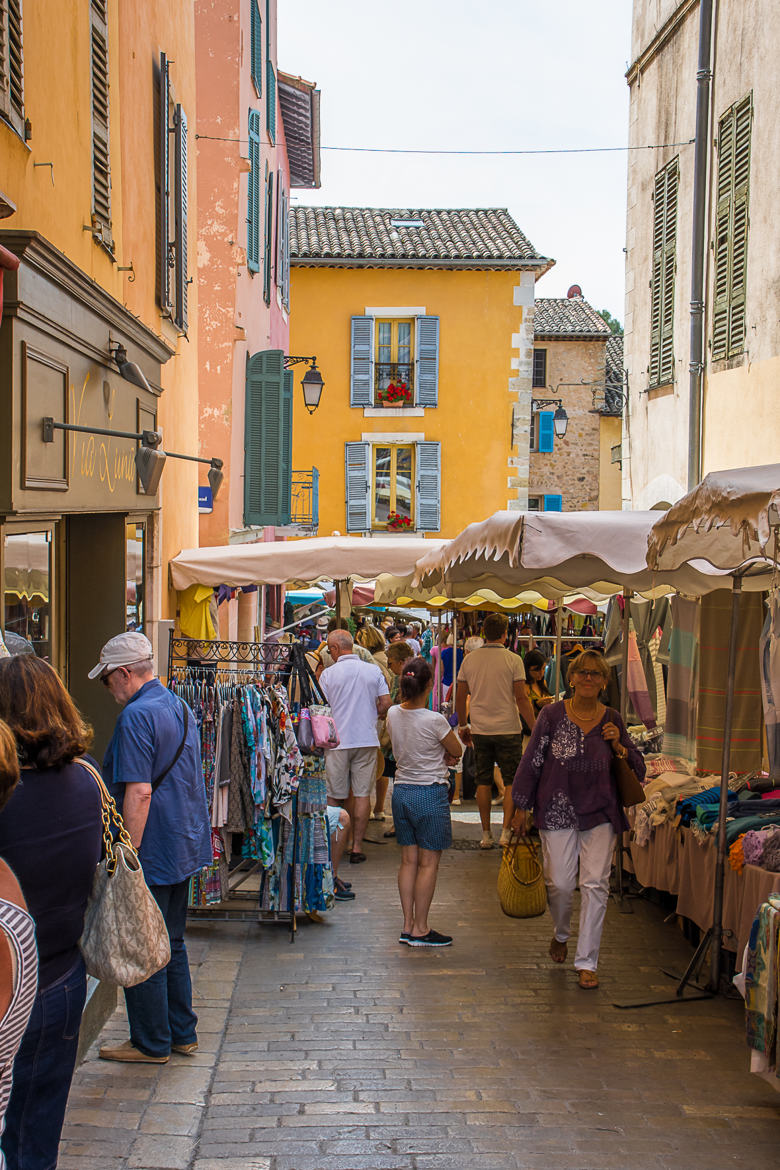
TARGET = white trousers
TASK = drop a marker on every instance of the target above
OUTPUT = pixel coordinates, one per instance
(563, 851)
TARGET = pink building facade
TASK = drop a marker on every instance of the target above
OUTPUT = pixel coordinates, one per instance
(258, 136)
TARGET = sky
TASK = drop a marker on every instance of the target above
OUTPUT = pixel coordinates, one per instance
(491, 75)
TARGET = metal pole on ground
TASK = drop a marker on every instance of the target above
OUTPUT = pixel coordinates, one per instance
(558, 641)
(627, 595)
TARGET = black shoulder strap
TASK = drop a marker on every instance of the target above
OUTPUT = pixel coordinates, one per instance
(159, 779)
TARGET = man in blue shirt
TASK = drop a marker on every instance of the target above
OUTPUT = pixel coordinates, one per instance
(153, 770)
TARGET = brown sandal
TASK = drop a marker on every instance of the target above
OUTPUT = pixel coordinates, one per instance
(589, 980)
(558, 951)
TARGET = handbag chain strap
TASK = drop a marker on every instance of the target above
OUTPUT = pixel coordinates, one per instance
(110, 814)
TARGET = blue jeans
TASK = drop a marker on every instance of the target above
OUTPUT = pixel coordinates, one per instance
(43, 1071)
(160, 1009)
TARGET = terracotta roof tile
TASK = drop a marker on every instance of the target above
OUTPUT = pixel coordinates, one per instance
(567, 317)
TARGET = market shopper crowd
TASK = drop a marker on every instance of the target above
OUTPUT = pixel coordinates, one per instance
(384, 688)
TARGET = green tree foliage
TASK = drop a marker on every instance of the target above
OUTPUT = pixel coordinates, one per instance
(614, 324)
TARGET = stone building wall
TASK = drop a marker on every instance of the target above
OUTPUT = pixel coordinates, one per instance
(572, 468)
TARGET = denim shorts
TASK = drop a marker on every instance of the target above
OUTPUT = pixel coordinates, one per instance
(421, 815)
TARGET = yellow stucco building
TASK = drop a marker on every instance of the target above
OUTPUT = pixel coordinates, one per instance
(422, 325)
(98, 323)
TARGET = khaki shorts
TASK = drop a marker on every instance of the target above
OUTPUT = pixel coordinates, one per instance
(350, 769)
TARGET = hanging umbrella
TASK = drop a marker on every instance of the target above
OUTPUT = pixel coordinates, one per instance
(730, 520)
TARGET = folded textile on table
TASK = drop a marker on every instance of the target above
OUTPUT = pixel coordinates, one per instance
(662, 795)
(771, 856)
(736, 856)
(753, 844)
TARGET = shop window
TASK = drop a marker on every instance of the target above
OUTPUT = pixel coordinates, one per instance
(27, 591)
(12, 64)
(135, 575)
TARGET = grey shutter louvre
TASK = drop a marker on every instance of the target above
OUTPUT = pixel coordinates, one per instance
(256, 48)
(267, 438)
(163, 270)
(361, 369)
(357, 483)
(428, 487)
(101, 150)
(270, 99)
(279, 250)
(664, 266)
(180, 317)
(427, 361)
(12, 63)
(743, 117)
(253, 195)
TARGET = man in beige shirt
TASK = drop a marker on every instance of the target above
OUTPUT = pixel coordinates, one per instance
(491, 686)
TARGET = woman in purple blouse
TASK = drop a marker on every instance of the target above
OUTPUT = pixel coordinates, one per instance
(565, 776)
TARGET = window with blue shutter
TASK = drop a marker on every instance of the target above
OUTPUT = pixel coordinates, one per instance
(253, 195)
(428, 518)
(546, 431)
(553, 503)
(270, 101)
(361, 368)
(427, 361)
(357, 486)
(256, 47)
(268, 440)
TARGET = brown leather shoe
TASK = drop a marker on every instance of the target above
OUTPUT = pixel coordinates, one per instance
(185, 1049)
(129, 1054)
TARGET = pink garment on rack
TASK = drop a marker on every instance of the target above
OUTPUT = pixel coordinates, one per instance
(637, 684)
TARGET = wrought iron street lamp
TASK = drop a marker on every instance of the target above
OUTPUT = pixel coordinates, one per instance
(311, 384)
(560, 418)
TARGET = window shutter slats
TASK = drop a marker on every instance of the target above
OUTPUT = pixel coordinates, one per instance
(427, 361)
(731, 230)
(357, 480)
(256, 47)
(267, 244)
(253, 194)
(546, 432)
(665, 193)
(428, 487)
(270, 101)
(181, 219)
(553, 503)
(163, 256)
(267, 440)
(101, 158)
(361, 372)
(15, 60)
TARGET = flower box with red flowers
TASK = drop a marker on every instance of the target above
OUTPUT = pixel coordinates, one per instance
(396, 394)
(398, 523)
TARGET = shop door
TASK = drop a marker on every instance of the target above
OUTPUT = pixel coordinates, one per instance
(94, 612)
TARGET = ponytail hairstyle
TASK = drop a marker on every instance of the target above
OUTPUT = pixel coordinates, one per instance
(416, 677)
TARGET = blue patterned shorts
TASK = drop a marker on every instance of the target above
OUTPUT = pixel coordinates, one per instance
(421, 815)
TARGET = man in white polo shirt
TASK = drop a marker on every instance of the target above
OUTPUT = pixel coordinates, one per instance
(358, 696)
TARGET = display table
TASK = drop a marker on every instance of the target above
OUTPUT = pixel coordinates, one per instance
(675, 861)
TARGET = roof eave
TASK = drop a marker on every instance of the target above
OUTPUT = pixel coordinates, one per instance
(538, 264)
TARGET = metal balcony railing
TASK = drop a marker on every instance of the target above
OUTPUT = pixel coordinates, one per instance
(387, 374)
(305, 499)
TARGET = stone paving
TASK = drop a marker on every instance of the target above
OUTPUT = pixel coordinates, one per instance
(348, 1051)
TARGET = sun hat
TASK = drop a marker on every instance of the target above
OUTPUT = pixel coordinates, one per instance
(123, 650)
(322, 623)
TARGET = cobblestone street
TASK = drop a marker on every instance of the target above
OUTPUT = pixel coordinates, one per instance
(349, 1051)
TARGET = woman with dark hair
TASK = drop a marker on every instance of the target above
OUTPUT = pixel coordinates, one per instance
(424, 746)
(18, 954)
(535, 664)
(565, 776)
(51, 836)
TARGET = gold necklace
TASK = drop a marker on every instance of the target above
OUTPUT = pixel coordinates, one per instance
(592, 715)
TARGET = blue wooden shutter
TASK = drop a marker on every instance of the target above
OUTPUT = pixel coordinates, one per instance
(180, 235)
(163, 271)
(270, 100)
(267, 440)
(427, 361)
(361, 369)
(256, 48)
(546, 431)
(253, 195)
(357, 483)
(553, 503)
(428, 517)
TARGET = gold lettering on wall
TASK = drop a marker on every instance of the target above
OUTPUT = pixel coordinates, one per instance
(111, 461)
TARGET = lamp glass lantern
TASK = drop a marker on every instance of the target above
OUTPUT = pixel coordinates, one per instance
(560, 422)
(312, 386)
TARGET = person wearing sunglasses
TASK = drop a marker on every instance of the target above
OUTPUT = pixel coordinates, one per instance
(565, 777)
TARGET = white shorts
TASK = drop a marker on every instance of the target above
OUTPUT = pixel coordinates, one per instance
(350, 769)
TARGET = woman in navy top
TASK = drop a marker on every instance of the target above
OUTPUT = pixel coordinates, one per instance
(51, 836)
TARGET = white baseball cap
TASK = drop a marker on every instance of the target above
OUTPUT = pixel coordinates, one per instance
(123, 650)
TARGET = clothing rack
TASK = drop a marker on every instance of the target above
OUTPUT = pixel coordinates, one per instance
(217, 670)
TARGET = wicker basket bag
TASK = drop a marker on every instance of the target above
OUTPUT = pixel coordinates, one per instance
(521, 889)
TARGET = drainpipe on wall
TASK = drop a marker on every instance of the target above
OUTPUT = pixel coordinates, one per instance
(699, 242)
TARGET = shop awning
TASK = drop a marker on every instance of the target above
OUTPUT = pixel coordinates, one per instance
(726, 521)
(299, 562)
(565, 551)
